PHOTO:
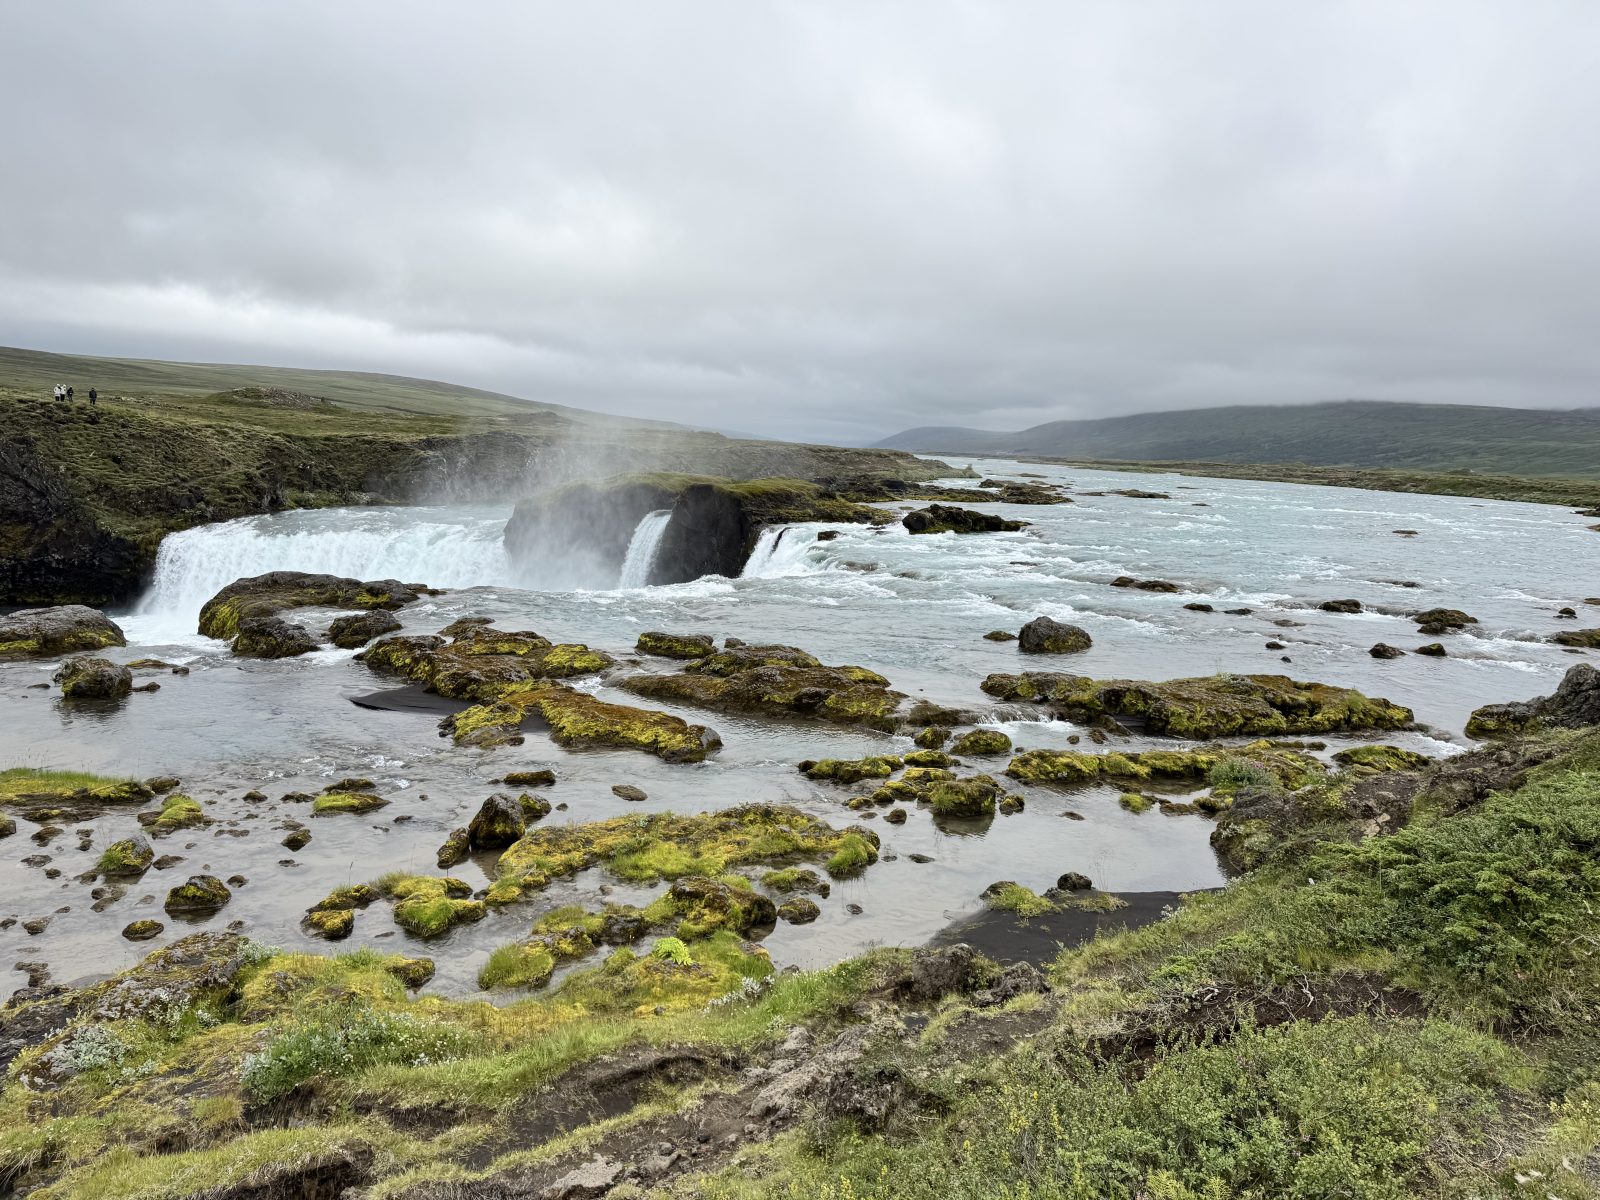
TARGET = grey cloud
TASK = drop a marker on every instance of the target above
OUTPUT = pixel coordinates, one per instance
(820, 220)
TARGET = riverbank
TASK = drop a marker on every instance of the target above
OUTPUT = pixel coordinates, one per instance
(1367, 1013)
(1574, 493)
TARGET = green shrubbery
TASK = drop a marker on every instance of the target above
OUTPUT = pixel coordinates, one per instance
(343, 1041)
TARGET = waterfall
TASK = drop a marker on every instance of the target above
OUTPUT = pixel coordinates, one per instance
(783, 550)
(642, 549)
(452, 548)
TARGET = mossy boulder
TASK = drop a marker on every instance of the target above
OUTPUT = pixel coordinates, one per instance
(539, 778)
(858, 850)
(796, 879)
(430, 905)
(297, 839)
(534, 808)
(579, 720)
(278, 591)
(355, 630)
(944, 518)
(142, 930)
(63, 629)
(1208, 707)
(330, 803)
(352, 895)
(932, 737)
(777, 681)
(497, 823)
(1435, 621)
(481, 663)
(86, 678)
(701, 906)
(1042, 635)
(1583, 639)
(799, 911)
(1286, 765)
(198, 896)
(1146, 585)
(1340, 606)
(667, 845)
(177, 811)
(676, 645)
(1575, 704)
(982, 741)
(413, 972)
(1432, 650)
(972, 797)
(1384, 650)
(455, 850)
(851, 770)
(272, 637)
(928, 758)
(332, 924)
(126, 858)
(1375, 760)
(999, 635)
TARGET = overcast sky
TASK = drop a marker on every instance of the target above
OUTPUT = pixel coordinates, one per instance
(823, 220)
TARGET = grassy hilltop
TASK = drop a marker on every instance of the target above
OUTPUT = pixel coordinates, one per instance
(1350, 433)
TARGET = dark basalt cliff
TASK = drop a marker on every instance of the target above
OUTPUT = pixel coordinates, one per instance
(714, 523)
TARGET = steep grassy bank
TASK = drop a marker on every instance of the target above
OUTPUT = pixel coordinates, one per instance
(86, 494)
(1399, 1000)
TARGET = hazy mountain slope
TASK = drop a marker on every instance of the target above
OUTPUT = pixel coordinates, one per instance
(356, 389)
(1355, 432)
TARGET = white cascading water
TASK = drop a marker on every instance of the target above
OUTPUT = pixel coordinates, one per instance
(642, 549)
(781, 550)
(195, 564)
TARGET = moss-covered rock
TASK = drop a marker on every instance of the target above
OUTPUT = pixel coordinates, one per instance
(272, 637)
(982, 741)
(1288, 766)
(355, 630)
(799, 911)
(777, 681)
(1136, 802)
(1208, 707)
(581, 721)
(481, 663)
(48, 632)
(972, 797)
(330, 803)
(928, 758)
(1583, 639)
(455, 849)
(278, 591)
(85, 678)
(1042, 635)
(1146, 585)
(430, 905)
(944, 518)
(1432, 650)
(177, 811)
(1375, 760)
(332, 924)
(796, 879)
(497, 823)
(540, 778)
(126, 858)
(676, 645)
(851, 770)
(296, 839)
(142, 930)
(932, 737)
(352, 895)
(1575, 704)
(413, 972)
(858, 850)
(668, 845)
(199, 895)
(1435, 621)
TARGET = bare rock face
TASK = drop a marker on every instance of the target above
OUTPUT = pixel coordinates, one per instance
(64, 629)
(356, 630)
(272, 637)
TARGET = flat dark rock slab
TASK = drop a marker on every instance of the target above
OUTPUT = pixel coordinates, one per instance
(413, 698)
(1007, 938)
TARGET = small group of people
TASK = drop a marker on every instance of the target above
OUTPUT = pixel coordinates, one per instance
(64, 392)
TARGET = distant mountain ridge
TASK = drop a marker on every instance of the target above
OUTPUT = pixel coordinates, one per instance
(1366, 433)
